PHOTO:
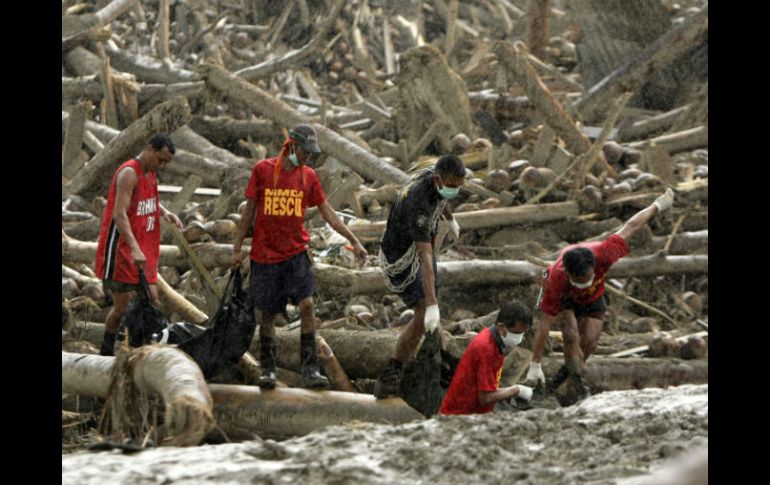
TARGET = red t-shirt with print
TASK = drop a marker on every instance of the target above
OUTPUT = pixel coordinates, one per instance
(557, 285)
(279, 229)
(480, 369)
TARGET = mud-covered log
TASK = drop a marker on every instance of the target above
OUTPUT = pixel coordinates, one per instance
(189, 140)
(642, 67)
(159, 370)
(615, 374)
(93, 178)
(245, 411)
(148, 69)
(685, 243)
(360, 160)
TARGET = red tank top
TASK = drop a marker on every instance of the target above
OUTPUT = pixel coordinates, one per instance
(113, 255)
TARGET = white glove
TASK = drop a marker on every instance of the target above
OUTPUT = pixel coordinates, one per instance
(525, 392)
(455, 227)
(431, 318)
(535, 373)
(664, 201)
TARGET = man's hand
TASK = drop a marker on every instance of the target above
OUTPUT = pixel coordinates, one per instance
(236, 259)
(525, 392)
(172, 218)
(665, 201)
(431, 318)
(535, 374)
(360, 252)
(454, 227)
(139, 259)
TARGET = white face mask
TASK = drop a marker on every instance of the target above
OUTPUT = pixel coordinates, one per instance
(513, 339)
(582, 286)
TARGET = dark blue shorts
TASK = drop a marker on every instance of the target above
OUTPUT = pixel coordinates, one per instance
(271, 286)
(414, 292)
(595, 309)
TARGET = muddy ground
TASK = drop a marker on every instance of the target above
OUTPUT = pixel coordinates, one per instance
(621, 437)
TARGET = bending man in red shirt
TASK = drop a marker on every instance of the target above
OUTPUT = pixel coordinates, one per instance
(474, 386)
(129, 237)
(574, 294)
(279, 192)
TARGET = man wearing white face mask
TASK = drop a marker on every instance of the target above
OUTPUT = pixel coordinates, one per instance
(574, 294)
(407, 259)
(474, 387)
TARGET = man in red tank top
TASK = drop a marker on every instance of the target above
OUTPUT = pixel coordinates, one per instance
(279, 191)
(129, 237)
(573, 293)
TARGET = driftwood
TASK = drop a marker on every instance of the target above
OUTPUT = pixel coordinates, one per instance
(363, 162)
(189, 140)
(677, 142)
(73, 140)
(147, 69)
(538, 27)
(162, 371)
(294, 57)
(651, 125)
(166, 117)
(502, 107)
(75, 28)
(642, 67)
(487, 218)
(224, 130)
(685, 243)
(343, 281)
(430, 91)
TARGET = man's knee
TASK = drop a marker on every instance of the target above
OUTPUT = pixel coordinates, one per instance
(569, 328)
(306, 306)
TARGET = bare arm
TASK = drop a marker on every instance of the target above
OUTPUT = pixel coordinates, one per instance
(541, 335)
(447, 213)
(247, 218)
(327, 212)
(126, 184)
(637, 222)
(170, 216)
(425, 253)
(491, 397)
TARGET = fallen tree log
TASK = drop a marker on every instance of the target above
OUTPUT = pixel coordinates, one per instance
(685, 243)
(242, 412)
(360, 160)
(343, 281)
(681, 141)
(224, 130)
(642, 67)
(73, 140)
(162, 371)
(502, 107)
(651, 125)
(191, 141)
(93, 178)
(148, 69)
(487, 218)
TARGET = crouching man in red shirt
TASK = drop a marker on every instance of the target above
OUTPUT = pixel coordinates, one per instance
(474, 386)
(574, 295)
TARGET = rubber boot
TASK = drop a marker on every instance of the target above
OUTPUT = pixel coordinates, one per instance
(108, 344)
(268, 352)
(311, 369)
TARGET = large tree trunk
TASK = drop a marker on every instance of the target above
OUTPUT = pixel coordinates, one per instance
(243, 411)
(161, 371)
(94, 178)
(343, 281)
(360, 160)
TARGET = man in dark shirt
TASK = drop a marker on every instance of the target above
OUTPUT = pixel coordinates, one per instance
(407, 259)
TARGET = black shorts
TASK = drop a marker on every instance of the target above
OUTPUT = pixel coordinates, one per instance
(110, 286)
(595, 309)
(271, 286)
(414, 292)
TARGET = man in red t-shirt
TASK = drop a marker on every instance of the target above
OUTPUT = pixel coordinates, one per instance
(129, 237)
(474, 386)
(574, 294)
(279, 191)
